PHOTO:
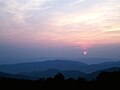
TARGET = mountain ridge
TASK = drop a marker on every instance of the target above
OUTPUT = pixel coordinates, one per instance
(52, 72)
(56, 64)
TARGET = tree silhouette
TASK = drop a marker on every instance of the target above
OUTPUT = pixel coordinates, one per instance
(104, 80)
(59, 77)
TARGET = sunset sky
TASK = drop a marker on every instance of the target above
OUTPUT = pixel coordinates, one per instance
(59, 28)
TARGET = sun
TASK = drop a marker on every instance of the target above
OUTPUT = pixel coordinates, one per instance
(85, 53)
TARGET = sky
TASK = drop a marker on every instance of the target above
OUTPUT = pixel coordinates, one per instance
(54, 29)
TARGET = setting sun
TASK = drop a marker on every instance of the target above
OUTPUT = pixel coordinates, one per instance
(85, 52)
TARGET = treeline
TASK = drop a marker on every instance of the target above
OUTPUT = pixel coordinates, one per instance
(105, 80)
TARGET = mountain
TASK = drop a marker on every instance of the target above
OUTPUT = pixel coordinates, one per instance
(93, 75)
(5, 75)
(113, 69)
(102, 66)
(38, 66)
(42, 74)
(94, 60)
(52, 72)
(18, 76)
(58, 65)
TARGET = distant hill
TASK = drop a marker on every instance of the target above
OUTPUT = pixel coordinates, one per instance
(17, 76)
(93, 75)
(102, 66)
(53, 72)
(38, 66)
(113, 69)
(62, 65)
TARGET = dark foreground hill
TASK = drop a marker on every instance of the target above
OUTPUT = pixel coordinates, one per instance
(105, 80)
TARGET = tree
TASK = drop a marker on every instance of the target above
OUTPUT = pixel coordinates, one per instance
(59, 77)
